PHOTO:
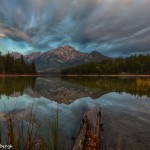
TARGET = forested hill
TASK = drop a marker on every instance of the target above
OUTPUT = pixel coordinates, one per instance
(11, 65)
(136, 64)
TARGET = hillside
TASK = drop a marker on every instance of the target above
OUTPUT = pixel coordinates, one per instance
(137, 64)
(62, 57)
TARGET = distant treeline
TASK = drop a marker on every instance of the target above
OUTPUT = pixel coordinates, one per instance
(136, 64)
(11, 65)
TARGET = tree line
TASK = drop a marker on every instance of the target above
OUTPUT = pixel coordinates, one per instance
(135, 64)
(11, 65)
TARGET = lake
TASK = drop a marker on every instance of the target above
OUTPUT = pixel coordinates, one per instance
(125, 104)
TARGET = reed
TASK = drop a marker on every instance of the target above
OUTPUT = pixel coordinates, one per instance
(24, 133)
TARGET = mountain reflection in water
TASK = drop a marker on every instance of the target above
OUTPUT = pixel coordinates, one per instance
(66, 90)
(125, 104)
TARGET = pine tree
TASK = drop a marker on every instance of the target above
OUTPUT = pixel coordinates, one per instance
(9, 65)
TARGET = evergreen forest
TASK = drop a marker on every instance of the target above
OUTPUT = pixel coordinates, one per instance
(11, 65)
(135, 64)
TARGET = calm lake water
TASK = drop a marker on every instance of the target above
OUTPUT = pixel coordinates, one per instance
(125, 103)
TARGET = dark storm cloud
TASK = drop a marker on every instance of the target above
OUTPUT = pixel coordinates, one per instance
(112, 27)
(14, 34)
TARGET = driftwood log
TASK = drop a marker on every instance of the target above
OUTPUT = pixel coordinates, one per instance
(89, 136)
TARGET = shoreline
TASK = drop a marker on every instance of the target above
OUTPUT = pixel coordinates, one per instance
(18, 75)
(115, 75)
(30, 75)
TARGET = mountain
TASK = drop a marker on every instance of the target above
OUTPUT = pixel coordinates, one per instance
(61, 57)
(58, 58)
(15, 55)
(32, 57)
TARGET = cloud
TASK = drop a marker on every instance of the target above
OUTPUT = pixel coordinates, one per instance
(14, 34)
(112, 27)
(2, 35)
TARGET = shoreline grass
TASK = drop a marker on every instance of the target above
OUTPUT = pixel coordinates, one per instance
(24, 133)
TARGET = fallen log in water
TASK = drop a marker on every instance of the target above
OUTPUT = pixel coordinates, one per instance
(89, 136)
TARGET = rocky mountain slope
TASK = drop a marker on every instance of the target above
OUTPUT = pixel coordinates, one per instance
(61, 57)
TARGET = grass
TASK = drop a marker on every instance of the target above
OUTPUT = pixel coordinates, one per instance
(143, 83)
(53, 133)
(25, 134)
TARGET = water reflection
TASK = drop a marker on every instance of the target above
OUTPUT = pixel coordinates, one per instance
(15, 86)
(66, 90)
(126, 121)
(126, 118)
(133, 86)
(61, 91)
(125, 104)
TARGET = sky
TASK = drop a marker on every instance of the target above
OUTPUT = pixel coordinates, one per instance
(112, 27)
